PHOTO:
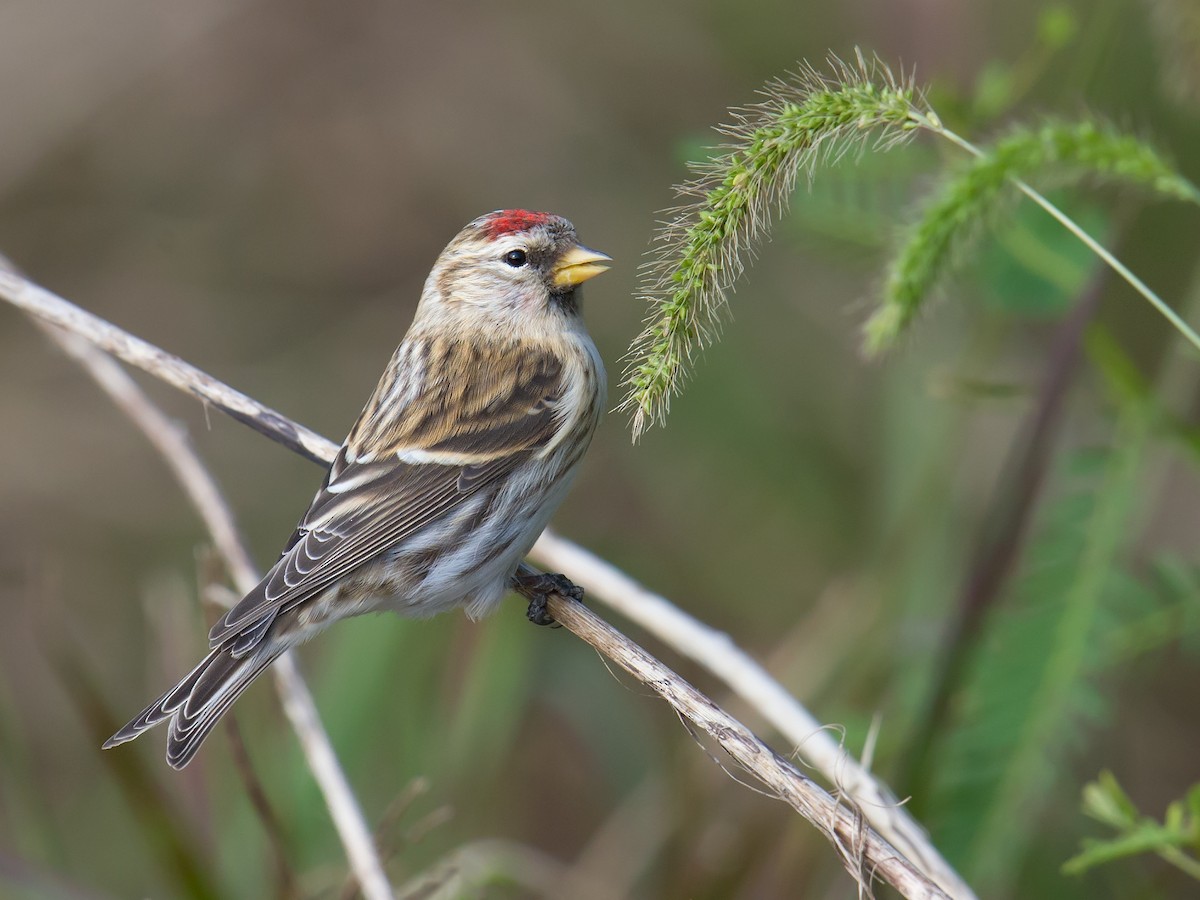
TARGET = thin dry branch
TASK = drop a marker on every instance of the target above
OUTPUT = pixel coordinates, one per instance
(667, 622)
(717, 652)
(865, 854)
(468, 870)
(287, 884)
(298, 705)
(49, 307)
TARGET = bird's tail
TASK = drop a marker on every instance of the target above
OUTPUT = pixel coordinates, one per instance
(198, 701)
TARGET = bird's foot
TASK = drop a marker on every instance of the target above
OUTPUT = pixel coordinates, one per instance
(538, 587)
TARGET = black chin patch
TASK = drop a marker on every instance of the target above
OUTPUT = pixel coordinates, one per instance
(567, 301)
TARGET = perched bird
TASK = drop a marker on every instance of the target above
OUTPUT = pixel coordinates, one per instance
(456, 464)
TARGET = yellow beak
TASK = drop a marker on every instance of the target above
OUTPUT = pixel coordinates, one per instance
(577, 265)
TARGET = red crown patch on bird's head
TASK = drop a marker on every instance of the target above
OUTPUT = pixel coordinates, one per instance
(510, 221)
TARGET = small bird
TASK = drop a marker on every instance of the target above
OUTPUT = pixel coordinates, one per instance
(463, 452)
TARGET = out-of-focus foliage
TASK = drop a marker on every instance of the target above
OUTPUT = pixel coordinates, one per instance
(977, 193)
(1031, 692)
(1176, 839)
(261, 187)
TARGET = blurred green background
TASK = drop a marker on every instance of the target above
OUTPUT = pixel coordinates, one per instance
(261, 187)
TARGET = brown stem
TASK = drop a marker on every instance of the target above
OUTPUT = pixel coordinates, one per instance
(287, 886)
(864, 853)
(1003, 535)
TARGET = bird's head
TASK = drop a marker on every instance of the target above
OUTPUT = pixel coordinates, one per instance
(512, 265)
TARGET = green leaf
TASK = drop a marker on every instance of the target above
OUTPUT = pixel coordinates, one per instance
(1106, 801)
(1145, 838)
(1029, 693)
(1193, 804)
(1034, 267)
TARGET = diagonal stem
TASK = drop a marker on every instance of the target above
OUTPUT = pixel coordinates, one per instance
(298, 703)
(865, 853)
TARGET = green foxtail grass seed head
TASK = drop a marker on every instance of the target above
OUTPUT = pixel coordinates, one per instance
(1048, 155)
(701, 248)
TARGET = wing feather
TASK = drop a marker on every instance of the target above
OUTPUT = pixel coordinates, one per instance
(477, 414)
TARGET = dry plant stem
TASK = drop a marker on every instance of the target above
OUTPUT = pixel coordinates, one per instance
(623, 848)
(287, 887)
(172, 444)
(863, 852)
(466, 871)
(298, 704)
(717, 652)
(999, 548)
(301, 711)
(49, 307)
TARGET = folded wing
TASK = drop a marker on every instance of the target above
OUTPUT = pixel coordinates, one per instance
(447, 421)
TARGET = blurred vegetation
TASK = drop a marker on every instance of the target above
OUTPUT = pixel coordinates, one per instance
(987, 538)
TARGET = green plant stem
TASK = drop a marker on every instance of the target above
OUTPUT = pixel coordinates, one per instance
(930, 121)
(1181, 860)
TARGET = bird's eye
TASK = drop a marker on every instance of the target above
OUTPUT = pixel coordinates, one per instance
(515, 258)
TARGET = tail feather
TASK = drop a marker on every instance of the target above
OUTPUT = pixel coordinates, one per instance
(220, 684)
(162, 708)
(198, 702)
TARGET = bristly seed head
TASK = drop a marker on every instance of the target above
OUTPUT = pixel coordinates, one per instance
(702, 248)
(511, 221)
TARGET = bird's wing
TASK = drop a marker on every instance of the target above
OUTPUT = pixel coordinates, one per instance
(447, 420)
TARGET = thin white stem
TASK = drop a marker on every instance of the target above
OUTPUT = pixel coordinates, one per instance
(930, 121)
(716, 651)
(468, 870)
(322, 760)
(49, 307)
(865, 853)
(172, 443)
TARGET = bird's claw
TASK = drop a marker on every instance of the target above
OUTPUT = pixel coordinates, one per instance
(538, 588)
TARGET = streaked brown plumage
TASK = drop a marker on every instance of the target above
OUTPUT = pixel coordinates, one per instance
(459, 458)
